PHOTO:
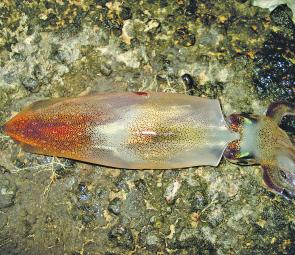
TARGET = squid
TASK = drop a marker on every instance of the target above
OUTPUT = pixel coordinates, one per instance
(150, 130)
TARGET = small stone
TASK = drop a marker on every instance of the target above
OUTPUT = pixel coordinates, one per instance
(37, 72)
(101, 193)
(121, 184)
(122, 236)
(215, 217)
(288, 124)
(189, 83)
(105, 69)
(152, 240)
(198, 202)
(3, 170)
(83, 193)
(9, 77)
(126, 13)
(115, 206)
(274, 72)
(184, 37)
(30, 84)
(87, 218)
(152, 26)
(18, 57)
(149, 238)
(140, 185)
(282, 16)
(7, 193)
(191, 8)
(171, 191)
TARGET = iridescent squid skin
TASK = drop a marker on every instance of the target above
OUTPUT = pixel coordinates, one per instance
(156, 131)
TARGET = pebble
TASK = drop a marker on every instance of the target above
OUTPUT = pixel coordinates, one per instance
(184, 37)
(30, 84)
(122, 236)
(7, 193)
(115, 206)
(189, 83)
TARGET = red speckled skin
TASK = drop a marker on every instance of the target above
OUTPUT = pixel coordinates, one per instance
(50, 131)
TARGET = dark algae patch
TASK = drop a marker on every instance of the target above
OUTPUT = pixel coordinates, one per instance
(274, 71)
(241, 54)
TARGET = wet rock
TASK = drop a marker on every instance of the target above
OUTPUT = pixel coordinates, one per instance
(83, 194)
(288, 124)
(189, 83)
(3, 170)
(57, 53)
(115, 206)
(150, 239)
(192, 240)
(114, 26)
(157, 221)
(63, 167)
(89, 206)
(100, 193)
(9, 77)
(98, 212)
(30, 84)
(152, 26)
(282, 16)
(191, 8)
(140, 185)
(132, 208)
(122, 236)
(208, 19)
(121, 184)
(126, 13)
(210, 89)
(18, 57)
(171, 191)
(198, 201)
(7, 193)
(184, 37)
(274, 72)
(215, 216)
(105, 69)
(37, 72)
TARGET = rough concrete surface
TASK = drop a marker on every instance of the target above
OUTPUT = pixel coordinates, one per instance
(241, 54)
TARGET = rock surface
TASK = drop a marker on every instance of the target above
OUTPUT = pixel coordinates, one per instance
(241, 54)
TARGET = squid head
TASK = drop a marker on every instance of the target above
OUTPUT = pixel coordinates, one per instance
(263, 142)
